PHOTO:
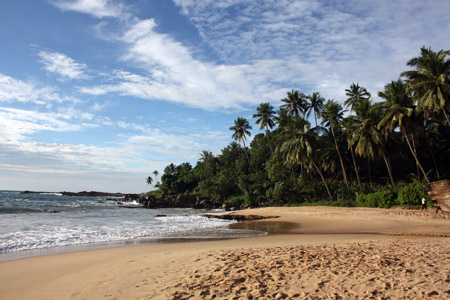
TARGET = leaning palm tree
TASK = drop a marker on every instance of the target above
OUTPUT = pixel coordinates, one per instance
(150, 180)
(396, 111)
(315, 105)
(295, 103)
(331, 117)
(298, 146)
(355, 93)
(430, 81)
(367, 139)
(241, 130)
(266, 118)
(349, 127)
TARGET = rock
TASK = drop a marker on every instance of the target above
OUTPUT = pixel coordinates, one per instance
(240, 218)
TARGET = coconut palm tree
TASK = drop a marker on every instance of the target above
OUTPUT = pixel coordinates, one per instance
(315, 105)
(298, 146)
(156, 173)
(150, 180)
(332, 115)
(367, 139)
(349, 127)
(430, 81)
(355, 93)
(295, 103)
(241, 130)
(396, 111)
(266, 118)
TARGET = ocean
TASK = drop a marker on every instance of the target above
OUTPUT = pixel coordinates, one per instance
(47, 223)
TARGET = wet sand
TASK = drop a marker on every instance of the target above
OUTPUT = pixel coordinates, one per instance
(326, 253)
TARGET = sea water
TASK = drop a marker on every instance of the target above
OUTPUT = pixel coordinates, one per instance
(50, 221)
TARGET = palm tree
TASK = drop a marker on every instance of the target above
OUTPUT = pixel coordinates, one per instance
(430, 81)
(295, 102)
(315, 104)
(368, 140)
(349, 127)
(150, 180)
(266, 118)
(298, 146)
(331, 117)
(396, 111)
(355, 93)
(156, 173)
(241, 130)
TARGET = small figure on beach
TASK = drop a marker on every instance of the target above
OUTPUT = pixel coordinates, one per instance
(424, 204)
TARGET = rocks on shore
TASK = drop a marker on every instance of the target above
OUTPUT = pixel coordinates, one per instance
(240, 218)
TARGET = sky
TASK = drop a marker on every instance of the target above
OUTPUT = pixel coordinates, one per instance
(97, 94)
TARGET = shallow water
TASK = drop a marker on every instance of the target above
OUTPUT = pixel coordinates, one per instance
(45, 221)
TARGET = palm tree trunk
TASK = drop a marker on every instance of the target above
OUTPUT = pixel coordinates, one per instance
(356, 169)
(268, 140)
(323, 179)
(415, 156)
(340, 157)
(432, 156)
(248, 157)
(388, 166)
(370, 173)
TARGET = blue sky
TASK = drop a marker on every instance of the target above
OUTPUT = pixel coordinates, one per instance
(97, 94)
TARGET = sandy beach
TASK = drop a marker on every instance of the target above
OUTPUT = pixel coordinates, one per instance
(322, 253)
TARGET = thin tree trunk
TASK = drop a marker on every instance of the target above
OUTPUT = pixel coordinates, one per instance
(340, 157)
(415, 151)
(432, 156)
(268, 140)
(248, 156)
(323, 179)
(388, 166)
(370, 173)
(415, 156)
(356, 169)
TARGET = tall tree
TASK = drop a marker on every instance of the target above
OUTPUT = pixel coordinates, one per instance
(430, 81)
(298, 146)
(150, 180)
(156, 173)
(295, 103)
(355, 93)
(265, 116)
(315, 104)
(241, 129)
(349, 127)
(396, 111)
(331, 117)
(368, 140)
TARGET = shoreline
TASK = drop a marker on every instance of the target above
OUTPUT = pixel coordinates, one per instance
(183, 270)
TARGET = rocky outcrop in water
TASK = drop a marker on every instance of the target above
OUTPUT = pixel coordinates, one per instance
(174, 201)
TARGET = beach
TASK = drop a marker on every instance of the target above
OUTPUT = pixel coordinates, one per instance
(313, 253)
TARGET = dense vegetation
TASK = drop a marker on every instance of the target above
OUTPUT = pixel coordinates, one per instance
(375, 154)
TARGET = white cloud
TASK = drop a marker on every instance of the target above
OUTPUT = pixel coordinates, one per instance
(62, 65)
(96, 8)
(12, 89)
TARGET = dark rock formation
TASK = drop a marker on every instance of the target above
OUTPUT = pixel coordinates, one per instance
(240, 217)
(172, 201)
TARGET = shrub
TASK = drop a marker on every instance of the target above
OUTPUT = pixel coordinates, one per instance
(412, 194)
(384, 198)
(237, 201)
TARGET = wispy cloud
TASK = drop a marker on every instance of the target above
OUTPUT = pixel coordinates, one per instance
(12, 89)
(95, 8)
(62, 65)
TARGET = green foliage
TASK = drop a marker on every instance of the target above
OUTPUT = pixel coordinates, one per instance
(412, 194)
(383, 199)
(293, 163)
